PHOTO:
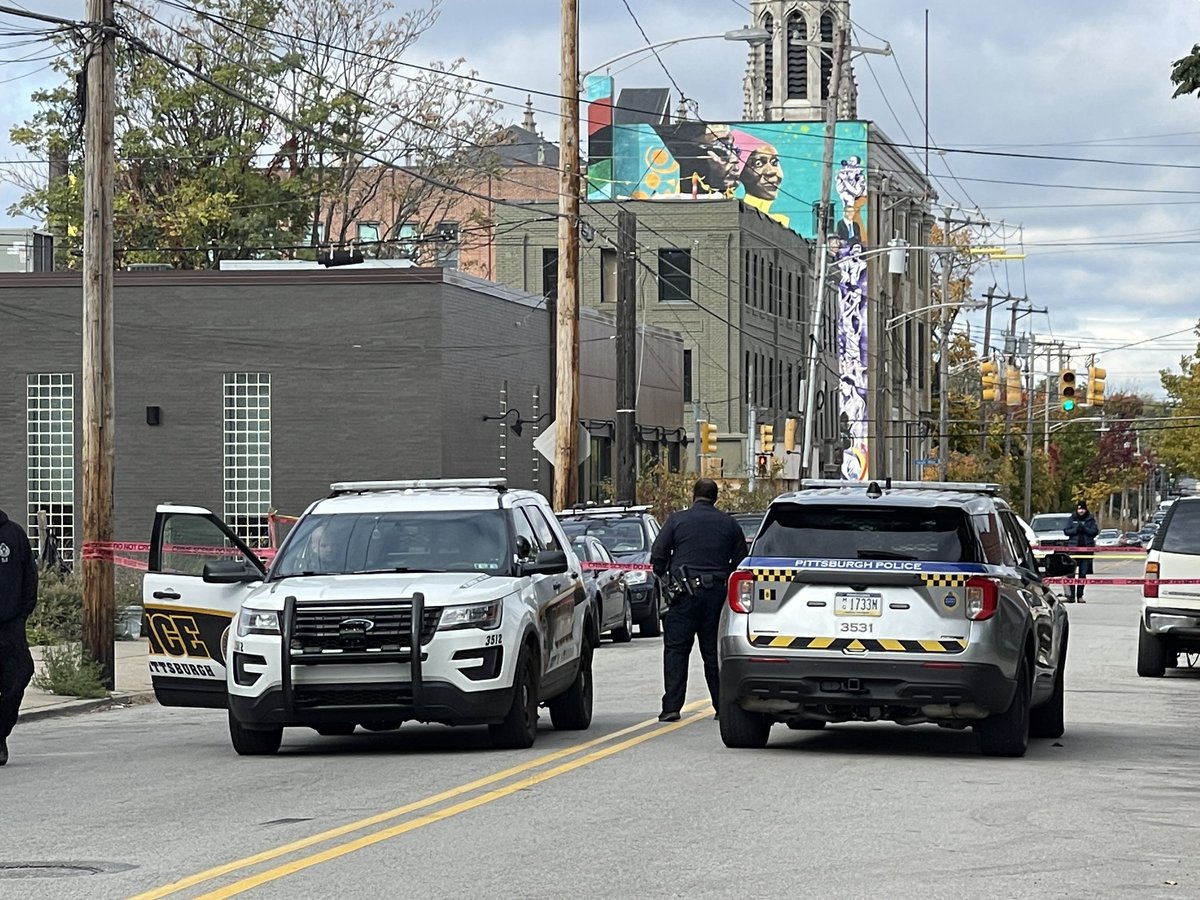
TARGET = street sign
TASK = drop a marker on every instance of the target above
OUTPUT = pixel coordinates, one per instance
(546, 443)
(927, 462)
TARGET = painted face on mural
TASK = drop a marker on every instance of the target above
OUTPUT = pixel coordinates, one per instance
(721, 158)
(762, 174)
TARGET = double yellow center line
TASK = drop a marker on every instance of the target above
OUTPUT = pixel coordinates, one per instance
(641, 732)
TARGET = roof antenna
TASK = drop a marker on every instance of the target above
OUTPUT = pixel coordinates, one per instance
(887, 484)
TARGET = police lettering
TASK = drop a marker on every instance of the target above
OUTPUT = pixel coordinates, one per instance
(173, 668)
(176, 635)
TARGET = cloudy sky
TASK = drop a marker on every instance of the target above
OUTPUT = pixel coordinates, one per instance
(1109, 244)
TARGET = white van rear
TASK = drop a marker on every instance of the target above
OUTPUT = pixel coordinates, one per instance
(1171, 612)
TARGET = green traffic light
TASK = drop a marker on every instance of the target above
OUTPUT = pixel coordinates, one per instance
(1068, 405)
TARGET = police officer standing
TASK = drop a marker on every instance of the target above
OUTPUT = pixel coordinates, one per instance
(18, 596)
(697, 548)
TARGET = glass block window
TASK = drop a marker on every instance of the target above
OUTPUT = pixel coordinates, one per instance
(248, 455)
(50, 459)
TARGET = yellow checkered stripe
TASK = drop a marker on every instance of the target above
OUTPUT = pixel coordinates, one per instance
(944, 579)
(774, 574)
(888, 645)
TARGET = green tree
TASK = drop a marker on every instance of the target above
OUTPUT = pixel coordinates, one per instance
(1185, 73)
(1176, 444)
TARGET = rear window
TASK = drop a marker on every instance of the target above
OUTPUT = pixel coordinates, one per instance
(858, 532)
(1182, 534)
(617, 535)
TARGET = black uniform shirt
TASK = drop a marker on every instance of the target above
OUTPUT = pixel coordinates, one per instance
(702, 538)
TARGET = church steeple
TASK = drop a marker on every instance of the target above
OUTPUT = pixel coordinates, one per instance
(787, 81)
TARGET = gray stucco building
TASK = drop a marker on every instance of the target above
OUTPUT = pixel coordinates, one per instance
(253, 390)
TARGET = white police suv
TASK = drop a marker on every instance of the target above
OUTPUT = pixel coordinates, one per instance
(903, 601)
(451, 601)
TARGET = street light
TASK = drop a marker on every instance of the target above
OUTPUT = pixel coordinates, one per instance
(905, 316)
(755, 37)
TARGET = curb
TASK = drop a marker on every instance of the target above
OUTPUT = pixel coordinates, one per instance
(118, 700)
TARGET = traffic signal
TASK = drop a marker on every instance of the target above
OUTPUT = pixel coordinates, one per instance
(762, 463)
(708, 438)
(789, 435)
(1066, 390)
(766, 438)
(1012, 393)
(1095, 385)
(991, 380)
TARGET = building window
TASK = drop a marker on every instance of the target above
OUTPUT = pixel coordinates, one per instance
(608, 275)
(797, 57)
(771, 288)
(448, 245)
(550, 273)
(407, 237)
(368, 232)
(674, 457)
(826, 55)
(791, 294)
(319, 233)
(922, 353)
(50, 458)
(747, 278)
(248, 455)
(600, 471)
(687, 376)
(791, 384)
(674, 276)
(769, 59)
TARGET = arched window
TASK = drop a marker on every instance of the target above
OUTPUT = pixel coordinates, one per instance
(826, 55)
(797, 57)
(768, 23)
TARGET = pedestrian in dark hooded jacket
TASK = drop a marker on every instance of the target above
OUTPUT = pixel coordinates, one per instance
(18, 596)
(1082, 529)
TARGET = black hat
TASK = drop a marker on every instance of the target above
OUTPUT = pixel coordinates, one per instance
(1082, 504)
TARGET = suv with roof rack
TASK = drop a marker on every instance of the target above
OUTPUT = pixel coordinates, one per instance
(628, 533)
(447, 600)
(914, 602)
(1170, 622)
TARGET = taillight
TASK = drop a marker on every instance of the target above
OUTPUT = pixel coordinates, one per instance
(1150, 588)
(741, 591)
(983, 597)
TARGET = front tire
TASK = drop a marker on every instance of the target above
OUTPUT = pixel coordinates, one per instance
(623, 633)
(652, 627)
(252, 741)
(1152, 654)
(741, 729)
(1048, 721)
(519, 728)
(1007, 734)
(572, 711)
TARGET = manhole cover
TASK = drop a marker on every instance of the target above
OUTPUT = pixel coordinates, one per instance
(58, 869)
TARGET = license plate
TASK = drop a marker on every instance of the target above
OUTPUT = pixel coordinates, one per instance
(858, 604)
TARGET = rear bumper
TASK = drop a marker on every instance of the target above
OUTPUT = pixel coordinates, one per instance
(315, 704)
(850, 685)
(1174, 622)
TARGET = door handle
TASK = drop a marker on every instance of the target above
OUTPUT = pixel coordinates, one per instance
(166, 595)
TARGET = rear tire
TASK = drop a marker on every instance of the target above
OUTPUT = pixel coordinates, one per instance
(519, 728)
(337, 730)
(623, 633)
(1007, 734)
(1152, 654)
(652, 627)
(572, 711)
(1047, 721)
(254, 742)
(741, 729)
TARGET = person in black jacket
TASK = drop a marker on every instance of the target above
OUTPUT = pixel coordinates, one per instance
(699, 546)
(18, 596)
(1082, 529)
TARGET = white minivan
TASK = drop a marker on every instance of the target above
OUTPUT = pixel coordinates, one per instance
(1171, 612)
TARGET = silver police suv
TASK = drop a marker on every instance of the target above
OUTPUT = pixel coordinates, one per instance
(911, 602)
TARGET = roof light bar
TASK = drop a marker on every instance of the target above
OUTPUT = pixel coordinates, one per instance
(966, 486)
(363, 487)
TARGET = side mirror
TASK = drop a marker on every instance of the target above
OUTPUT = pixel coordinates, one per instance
(1059, 564)
(548, 562)
(524, 548)
(230, 571)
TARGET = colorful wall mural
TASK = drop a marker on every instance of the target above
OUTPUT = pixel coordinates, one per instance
(774, 167)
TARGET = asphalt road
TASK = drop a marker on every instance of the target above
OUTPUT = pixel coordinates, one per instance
(157, 800)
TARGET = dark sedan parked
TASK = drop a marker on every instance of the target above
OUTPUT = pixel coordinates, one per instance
(607, 586)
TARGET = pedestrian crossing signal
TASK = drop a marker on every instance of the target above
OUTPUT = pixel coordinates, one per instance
(1066, 390)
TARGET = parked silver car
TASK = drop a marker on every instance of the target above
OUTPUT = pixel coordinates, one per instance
(904, 601)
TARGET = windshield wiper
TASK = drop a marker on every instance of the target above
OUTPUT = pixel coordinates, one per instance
(882, 554)
(392, 569)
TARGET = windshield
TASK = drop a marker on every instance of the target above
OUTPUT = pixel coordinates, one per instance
(1050, 522)
(1109, 534)
(875, 532)
(617, 535)
(473, 540)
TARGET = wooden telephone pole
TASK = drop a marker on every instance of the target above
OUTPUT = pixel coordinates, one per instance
(566, 398)
(98, 589)
(625, 482)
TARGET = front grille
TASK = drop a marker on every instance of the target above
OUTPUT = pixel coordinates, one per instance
(392, 695)
(359, 627)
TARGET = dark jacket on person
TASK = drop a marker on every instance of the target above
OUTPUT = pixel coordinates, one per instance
(702, 538)
(1081, 530)
(18, 573)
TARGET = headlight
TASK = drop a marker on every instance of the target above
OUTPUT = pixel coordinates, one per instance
(637, 576)
(477, 615)
(257, 621)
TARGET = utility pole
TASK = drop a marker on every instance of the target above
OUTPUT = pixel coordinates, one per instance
(566, 400)
(1029, 431)
(943, 362)
(625, 483)
(987, 350)
(98, 159)
(823, 222)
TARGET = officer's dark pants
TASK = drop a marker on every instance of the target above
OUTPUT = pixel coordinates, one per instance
(688, 619)
(16, 669)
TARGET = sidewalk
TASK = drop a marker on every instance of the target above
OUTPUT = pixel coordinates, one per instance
(132, 686)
